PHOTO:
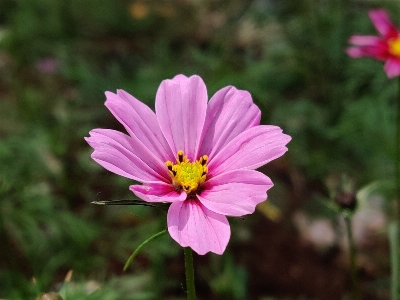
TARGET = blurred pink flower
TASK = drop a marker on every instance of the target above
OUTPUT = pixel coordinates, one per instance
(48, 65)
(385, 47)
(200, 157)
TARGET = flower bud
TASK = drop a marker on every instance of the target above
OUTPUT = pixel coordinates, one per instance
(346, 200)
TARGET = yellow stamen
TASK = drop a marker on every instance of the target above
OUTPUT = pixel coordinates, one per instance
(394, 46)
(188, 175)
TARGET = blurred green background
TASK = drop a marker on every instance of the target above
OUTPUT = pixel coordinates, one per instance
(57, 57)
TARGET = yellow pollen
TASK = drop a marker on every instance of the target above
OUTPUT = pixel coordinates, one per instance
(394, 46)
(187, 175)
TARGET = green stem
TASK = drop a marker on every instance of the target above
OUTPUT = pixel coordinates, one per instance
(397, 149)
(394, 259)
(394, 232)
(353, 266)
(191, 292)
(130, 259)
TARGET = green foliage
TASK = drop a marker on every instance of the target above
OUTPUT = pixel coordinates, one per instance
(125, 288)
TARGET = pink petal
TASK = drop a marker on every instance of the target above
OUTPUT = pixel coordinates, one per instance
(181, 105)
(122, 155)
(192, 225)
(379, 52)
(369, 46)
(235, 193)
(367, 51)
(364, 40)
(229, 113)
(392, 67)
(140, 122)
(158, 192)
(355, 52)
(250, 150)
(381, 21)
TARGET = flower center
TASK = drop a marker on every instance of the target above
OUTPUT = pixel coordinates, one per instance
(188, 175)
(394, 46)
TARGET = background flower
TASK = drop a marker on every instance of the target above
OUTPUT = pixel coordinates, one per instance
(385, 47)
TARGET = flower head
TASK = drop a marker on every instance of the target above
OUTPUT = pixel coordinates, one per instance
(199, 156)
(385, 47)
(48, 65)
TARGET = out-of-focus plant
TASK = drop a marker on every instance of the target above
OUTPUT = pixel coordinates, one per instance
(36, 224)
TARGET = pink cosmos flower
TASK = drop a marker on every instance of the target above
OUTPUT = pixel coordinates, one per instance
(385, 47)
(200, 157)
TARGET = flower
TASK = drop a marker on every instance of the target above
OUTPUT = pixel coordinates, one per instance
(385, 47)
(200, 157)
(48, 65)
